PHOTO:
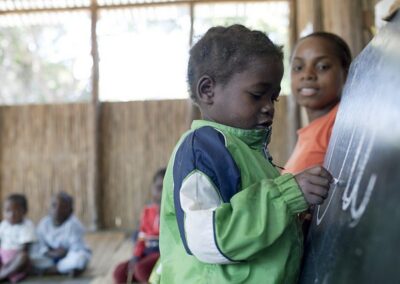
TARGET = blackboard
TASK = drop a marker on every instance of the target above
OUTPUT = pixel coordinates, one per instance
(355, 235)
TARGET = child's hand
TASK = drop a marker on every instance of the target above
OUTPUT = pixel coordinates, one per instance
(57, 253)
(314, 183)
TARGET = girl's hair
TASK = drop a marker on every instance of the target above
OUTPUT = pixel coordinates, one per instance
(340, 47)
(19, 199)
(224, 51)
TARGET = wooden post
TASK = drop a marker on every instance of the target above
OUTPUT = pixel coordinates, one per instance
(347, 19)
(94, 188)
(317, 16)
(194, 112)
(293, 109)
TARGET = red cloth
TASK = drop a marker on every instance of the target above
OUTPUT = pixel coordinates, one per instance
(312, 143)
(141, 271)
(149, 231)
(149, 228)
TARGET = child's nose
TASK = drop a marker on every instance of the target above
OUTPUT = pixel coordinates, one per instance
(268, 106)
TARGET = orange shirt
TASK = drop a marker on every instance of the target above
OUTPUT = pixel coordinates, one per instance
(312, 143)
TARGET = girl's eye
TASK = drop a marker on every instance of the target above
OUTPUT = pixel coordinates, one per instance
(296, 68)
(323, 67)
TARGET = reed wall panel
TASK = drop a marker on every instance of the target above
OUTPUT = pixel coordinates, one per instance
(280, 146)
(44, 149)
(137, 138)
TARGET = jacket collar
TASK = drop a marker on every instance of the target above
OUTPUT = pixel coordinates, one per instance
(254, 138)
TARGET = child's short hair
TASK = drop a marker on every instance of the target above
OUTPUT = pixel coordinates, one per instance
(19, 199)
(67, 198)
(224, 51)
(341, 48)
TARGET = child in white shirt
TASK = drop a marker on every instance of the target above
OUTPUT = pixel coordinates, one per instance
(17, 233)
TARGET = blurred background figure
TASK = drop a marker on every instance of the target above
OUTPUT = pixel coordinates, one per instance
(146, 250)
(61, 247)
(17, 233)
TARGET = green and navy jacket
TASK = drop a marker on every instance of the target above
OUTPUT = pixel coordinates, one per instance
(227, 216)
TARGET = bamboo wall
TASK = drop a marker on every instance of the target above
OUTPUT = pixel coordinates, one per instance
(137, 138)
(280, 146)
(46, 148)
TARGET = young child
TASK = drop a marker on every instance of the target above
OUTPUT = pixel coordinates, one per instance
(227, 216)
(61, 247)
(17, 233)
(146, 251)
(320, 64)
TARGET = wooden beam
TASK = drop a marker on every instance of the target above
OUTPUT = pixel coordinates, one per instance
(293, 113)
(194, 111)
(94, 185)
(317, 16)
(127, 6)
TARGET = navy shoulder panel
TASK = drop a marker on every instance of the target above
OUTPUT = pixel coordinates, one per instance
(204, 150)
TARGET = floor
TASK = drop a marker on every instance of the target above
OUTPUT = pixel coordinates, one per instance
(108, 247)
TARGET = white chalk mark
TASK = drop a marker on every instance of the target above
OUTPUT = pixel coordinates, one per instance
(350, 195)
(346, 198)
(319, 219)
(356, 213)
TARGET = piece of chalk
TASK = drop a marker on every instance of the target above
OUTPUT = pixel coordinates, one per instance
(335, 181)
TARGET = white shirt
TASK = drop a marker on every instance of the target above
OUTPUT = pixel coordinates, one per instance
(69, 235)
(15, 236)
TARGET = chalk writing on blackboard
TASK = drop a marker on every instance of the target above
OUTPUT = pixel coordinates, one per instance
(351, 191)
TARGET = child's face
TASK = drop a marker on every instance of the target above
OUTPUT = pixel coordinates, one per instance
(13, 212)
(246, 101)
(157, 189)
(317, 76)
(60, 210)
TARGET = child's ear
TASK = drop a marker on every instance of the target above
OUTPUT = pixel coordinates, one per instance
(205, 89)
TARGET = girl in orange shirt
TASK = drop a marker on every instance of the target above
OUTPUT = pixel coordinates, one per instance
(319, 68)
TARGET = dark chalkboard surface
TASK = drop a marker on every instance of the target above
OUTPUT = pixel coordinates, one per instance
(355, 235)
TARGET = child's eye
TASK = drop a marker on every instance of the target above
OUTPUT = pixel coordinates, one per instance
(256, 95)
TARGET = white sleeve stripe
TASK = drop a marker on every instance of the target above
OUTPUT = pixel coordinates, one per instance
(199, 199)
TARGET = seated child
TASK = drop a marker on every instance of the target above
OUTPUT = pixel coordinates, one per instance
(146, 251)
(61, 247)
(227, 216)
(320, 64)
(17, 233)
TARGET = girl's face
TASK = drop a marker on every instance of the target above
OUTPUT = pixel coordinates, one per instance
(13, 212)
(247, 100)
(317, 76)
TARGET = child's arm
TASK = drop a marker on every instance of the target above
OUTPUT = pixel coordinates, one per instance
(139, 246)
(15, 265)
(56, 253)
(217, 223)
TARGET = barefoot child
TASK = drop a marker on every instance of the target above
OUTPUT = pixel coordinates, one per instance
(319, 68)
(227, 216)
(17, 233)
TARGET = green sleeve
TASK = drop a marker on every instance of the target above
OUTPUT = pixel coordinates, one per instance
(257, 216)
